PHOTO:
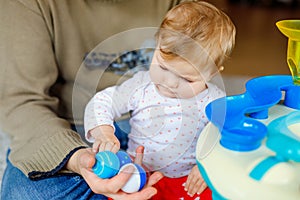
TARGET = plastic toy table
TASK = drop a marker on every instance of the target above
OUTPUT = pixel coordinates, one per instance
(251, 147)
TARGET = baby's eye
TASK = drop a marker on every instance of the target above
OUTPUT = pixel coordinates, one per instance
(162, 67)
(188, 80)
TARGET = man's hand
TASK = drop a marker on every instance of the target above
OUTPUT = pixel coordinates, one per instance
(82, 162)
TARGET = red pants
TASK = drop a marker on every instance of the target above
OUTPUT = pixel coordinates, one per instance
(172, 189)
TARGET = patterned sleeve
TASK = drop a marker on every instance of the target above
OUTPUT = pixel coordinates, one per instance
(112, 102)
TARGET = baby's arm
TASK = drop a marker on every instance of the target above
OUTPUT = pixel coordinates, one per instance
(195, 183)
(106, 106)
(105, 139)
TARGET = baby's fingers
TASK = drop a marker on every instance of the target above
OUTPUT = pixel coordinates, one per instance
(202, 188)
(195, 183)
(113, 146)
(194, 186)
(109, 146)
(96, 146)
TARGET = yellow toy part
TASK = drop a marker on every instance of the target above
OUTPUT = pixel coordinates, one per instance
(291, 29)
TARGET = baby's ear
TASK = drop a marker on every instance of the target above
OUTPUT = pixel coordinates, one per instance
(221, 68)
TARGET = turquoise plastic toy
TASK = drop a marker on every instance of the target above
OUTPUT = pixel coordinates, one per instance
(241, 132)
(109, 164)
(255, 143)
(253, 139)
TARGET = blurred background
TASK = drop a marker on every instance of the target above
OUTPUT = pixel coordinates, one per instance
(260, 48)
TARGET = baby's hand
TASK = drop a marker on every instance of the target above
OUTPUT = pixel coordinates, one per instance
(195, 183)
(105, 139)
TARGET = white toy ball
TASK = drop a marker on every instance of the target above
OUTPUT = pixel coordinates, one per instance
(137, 180)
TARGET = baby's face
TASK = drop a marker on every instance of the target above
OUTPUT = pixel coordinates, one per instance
(176, 78)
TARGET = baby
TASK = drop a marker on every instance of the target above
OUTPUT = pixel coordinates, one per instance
(167, 103)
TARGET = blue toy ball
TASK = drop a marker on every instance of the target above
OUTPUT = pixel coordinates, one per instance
(137, 180)
(124, 158)
(107, 164)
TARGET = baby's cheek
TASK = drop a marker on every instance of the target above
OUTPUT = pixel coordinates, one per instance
(186, 91)
(154, 75)
(158, 79)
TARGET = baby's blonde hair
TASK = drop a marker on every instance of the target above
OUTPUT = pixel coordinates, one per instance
(200, 22)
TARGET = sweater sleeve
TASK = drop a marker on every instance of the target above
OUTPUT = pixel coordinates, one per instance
(41, 142)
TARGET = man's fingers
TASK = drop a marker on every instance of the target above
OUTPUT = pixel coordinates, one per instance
(112, 185)
(154, 178)
(144, 194)
(139, 155)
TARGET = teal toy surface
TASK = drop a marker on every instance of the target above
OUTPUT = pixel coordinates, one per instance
(109, 164)
(251, 147)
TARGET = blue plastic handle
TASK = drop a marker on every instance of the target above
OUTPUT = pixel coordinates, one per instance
(235, 116)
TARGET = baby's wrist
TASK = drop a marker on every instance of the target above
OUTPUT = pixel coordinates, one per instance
(102, 130)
